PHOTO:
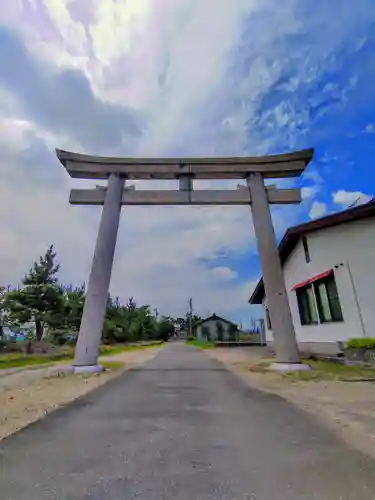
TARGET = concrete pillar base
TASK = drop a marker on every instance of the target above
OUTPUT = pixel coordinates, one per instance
(85, 369)
(289, 367)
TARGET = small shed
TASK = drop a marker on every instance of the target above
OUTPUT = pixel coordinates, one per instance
(214, 328)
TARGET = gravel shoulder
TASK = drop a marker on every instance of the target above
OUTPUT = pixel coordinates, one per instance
(346, 407)
(27, 395)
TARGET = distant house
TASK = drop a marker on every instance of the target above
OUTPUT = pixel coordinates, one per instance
(10, 334)
(15, 334)
(329, 271)
(214, 328)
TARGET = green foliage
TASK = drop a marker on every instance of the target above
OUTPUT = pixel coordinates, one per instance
(20, 360)
(2, 309)
(195, 319)
(57, 309)
(361, 343)
(165, 328)
(201, 345)
(329, 370)
(14, 347)
(43, 272)
(3, 344)
(128, 323)
(184, 322)
(112, 350)
(40, 298)
(113, 365)
(73, 302)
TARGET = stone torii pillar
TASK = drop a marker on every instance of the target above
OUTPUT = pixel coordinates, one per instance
(288, 358)
(90, 332)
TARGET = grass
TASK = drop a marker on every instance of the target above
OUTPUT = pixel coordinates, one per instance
(320, 370)
(249, 338)
(16, 360)
(21, 360)
(201, 345)
(328, 370)
(112, 365)
(111, 350)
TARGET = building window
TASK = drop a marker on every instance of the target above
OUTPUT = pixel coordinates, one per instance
(319, 302)
(328, 301)
(306, 306)
(306, 249)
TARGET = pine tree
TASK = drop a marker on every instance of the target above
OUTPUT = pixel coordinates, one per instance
(40, 298)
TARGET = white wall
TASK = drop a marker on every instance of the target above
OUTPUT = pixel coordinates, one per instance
(211, 325)
(353, 245)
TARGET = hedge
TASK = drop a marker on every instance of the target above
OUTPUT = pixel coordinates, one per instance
(361, 343)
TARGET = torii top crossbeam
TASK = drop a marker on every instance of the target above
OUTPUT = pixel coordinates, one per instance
(97, 167)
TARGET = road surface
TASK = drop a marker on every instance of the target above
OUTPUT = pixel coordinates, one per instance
(181, 428)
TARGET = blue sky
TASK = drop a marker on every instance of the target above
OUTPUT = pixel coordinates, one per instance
(178, 77)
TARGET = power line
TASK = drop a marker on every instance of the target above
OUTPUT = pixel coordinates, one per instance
(355, 202)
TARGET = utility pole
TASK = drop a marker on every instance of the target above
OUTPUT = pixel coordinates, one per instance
(190, 317)
(156, 314)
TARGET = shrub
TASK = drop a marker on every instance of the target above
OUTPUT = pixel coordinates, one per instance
(71, 342)
(15, 347)
(361, 343)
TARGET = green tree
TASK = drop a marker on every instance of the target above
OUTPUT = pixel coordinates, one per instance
(3, 314)
(74, 301)
(165, 328)
(67, 320)
(128, 323)
(40, 299)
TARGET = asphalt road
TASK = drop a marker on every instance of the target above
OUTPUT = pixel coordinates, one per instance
(181, 428)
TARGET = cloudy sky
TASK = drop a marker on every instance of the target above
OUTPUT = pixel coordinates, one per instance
(178, 77)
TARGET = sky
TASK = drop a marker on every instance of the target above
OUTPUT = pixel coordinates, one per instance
(178, 78)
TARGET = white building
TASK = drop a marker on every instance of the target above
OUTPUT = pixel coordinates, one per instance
(329, 271)
(215, 328)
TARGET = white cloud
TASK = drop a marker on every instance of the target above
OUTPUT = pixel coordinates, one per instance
(68, 29)
(318, 209)
(313, 174)
(309, 192)
(116, 26)
(173, 62)
(370, 128)
(224, 273)
(159, 249)
(347, 198)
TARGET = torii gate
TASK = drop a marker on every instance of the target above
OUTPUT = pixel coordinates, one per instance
(118, 170)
